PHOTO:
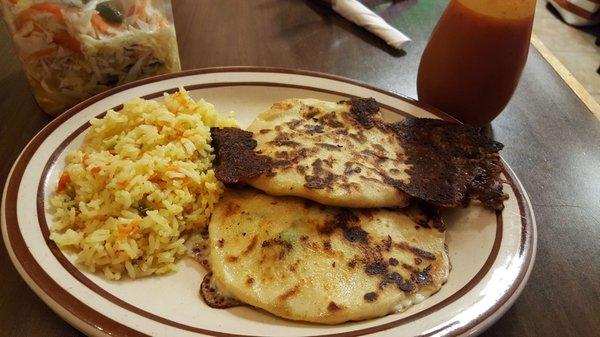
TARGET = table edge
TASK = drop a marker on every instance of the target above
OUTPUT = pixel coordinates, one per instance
(586, 98)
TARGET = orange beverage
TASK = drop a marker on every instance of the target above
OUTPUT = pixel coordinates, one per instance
(475, 57)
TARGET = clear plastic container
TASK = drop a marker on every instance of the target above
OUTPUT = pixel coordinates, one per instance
(74, 49)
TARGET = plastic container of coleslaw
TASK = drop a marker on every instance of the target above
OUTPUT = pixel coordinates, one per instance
(74, 49)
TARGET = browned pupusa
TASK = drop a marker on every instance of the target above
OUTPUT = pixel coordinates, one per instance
(344, 154)
(337, 154)
(304, 261)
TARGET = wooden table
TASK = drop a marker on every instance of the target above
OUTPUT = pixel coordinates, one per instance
(552, 142)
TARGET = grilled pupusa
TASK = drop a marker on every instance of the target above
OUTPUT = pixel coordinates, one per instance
(344, 154)
(335, 154)
(305, 261)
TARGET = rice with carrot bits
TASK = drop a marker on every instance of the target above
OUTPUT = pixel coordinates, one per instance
(140, 184)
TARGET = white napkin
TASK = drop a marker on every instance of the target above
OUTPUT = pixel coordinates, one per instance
(364, 17)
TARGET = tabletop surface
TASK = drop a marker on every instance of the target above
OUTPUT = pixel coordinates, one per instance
(552, 142)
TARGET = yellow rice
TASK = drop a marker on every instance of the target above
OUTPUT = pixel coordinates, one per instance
(142, 181)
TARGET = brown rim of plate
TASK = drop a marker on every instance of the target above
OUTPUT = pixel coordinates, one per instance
(105, 324)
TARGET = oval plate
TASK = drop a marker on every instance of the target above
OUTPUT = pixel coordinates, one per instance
(491, 254)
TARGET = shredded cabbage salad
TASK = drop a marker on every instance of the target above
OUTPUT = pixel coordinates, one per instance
(73, 49)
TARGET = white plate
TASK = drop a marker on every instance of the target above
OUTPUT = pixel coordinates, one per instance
(491, 254)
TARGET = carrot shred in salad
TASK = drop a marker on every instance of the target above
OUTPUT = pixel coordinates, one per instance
(73, 49)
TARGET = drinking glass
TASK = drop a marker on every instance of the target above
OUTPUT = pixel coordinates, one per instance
(475, 58)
